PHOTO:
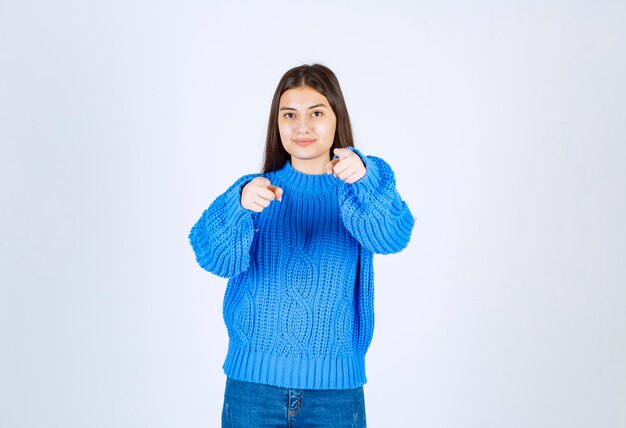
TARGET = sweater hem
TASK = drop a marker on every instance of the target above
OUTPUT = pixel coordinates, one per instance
(331, 372)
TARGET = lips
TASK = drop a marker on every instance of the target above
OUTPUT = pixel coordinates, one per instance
(304, 142)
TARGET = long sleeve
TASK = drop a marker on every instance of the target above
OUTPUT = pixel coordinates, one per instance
(222, 237)
(373, 211)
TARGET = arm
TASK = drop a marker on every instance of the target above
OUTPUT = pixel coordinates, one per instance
(222, 237)
(373, 211)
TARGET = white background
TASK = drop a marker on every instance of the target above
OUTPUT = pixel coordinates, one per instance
(504, 122)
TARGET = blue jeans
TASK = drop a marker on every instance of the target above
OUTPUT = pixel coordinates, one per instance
(251, 405)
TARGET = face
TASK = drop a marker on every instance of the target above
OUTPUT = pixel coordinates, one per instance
(306, 124)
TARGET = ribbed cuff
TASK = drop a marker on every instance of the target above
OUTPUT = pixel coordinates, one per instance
(295, 372)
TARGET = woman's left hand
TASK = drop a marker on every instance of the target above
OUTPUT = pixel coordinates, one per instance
(349, 167)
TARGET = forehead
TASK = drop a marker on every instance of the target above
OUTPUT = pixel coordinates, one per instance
(302, 97)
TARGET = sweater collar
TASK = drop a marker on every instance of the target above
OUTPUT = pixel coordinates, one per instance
(306, 183)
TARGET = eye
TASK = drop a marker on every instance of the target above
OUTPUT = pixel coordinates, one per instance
(318, 113)
(288, 115)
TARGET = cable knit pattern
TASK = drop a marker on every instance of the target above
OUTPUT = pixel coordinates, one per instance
(299, 304)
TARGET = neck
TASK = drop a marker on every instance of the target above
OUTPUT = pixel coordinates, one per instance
(310, 166)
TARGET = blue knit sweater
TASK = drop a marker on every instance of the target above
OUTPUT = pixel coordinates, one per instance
(298, 306)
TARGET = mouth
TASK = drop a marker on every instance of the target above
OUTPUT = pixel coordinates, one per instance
(304, 142)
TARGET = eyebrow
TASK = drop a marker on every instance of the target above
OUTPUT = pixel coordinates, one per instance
(315, 106)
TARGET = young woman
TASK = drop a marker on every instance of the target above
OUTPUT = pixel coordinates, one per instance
(297, 242)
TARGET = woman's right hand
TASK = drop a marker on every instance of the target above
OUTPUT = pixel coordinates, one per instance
(259, 193)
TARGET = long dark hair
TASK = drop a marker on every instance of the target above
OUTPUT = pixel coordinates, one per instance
(324, 81)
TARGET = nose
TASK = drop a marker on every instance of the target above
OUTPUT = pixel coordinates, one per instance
(303, 125)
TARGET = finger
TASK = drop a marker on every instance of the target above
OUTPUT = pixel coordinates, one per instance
(341, 166)
(278, 192)
(266, 194)
(264, 203)
(342, 153)
(351, 179)
(330, 165)
(261, 181)
(347, 173)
